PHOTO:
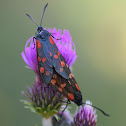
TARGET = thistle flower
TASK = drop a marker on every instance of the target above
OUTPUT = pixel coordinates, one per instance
(43, 99)
(85, 115)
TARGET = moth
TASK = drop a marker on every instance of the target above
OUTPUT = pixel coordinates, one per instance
(53, 68)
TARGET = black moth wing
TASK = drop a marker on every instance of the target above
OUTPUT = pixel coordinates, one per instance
(68, 87)
(58, 61)
(63, 80)
(44, 63)
(62, 85)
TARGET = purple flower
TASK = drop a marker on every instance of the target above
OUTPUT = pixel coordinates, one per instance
(65, 46)
(43, 99)
(85, 115)
(30, 55)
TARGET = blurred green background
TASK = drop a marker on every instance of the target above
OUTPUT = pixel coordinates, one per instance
(98, 29)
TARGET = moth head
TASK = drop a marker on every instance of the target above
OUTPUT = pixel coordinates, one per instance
(40, 28)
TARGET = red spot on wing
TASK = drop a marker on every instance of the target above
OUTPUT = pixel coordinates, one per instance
(47, 73)
(59, 53)
(53, 81)
(61, 69)
(66, 65)
(55, 56)
(70, 96)
(62, 63)
(60, 89)
(41, 70)
(44, 59)
(38, 43)
(70, 75)
(77, 87)
(63, 85)
(69, 82)
(50, 54)
(51, 40)
(39, 59)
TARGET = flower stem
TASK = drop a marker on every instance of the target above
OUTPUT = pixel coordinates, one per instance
(47, 122)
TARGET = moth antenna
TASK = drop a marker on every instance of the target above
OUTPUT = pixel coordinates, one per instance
(43, 14)
(32, 19)
(98, 109)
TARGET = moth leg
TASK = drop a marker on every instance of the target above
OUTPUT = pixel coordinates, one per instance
(34, 42)
(54, 37)
(34, 38)
(68, 102)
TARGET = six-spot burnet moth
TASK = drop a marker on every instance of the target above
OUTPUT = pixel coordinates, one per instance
(53, 68)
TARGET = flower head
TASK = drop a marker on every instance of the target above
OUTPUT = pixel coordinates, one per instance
(64, 44)
(43, 99)
(85, 115)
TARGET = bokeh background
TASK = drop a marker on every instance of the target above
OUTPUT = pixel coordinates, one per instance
(98, 29)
